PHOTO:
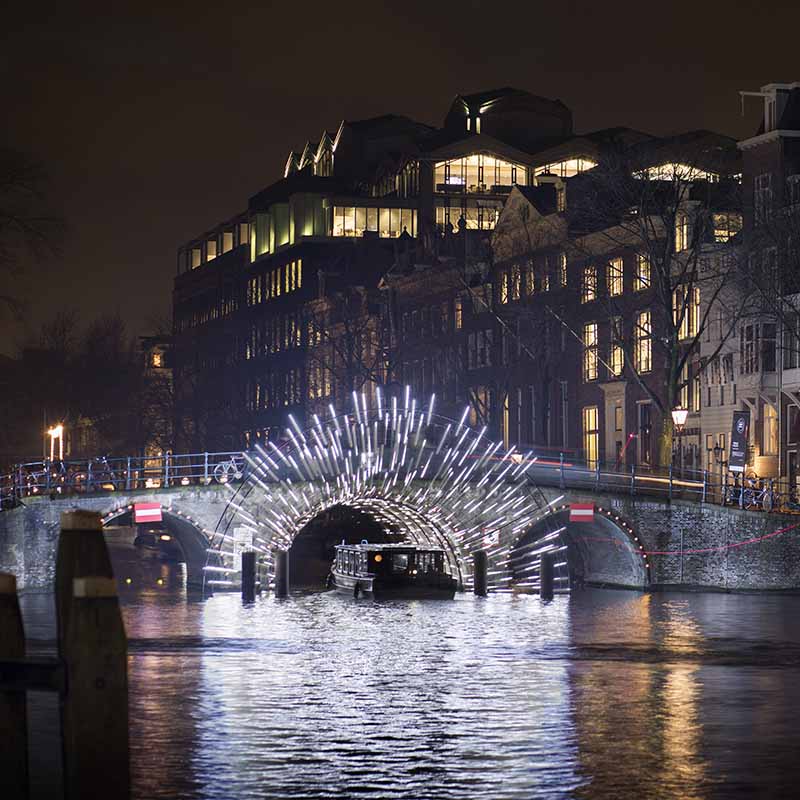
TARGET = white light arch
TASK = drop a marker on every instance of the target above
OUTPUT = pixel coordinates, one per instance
(436, 481)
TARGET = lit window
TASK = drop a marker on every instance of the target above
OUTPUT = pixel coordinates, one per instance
(197, 257)
(211, 249)
(157, 360)
(516, 282)
(480, 173)
(590, 351)
(686, 312)
(617, 355)
(562, 269)
(673, 171)
(770, 433)
(641, 280)
(614, 277)
(591, 435)
(726, 226)
(566, 169)
(681, 231)
(386, 222)
(589, 284)
(227, 241)
(458, 313)
(504, 286)
(643, 349)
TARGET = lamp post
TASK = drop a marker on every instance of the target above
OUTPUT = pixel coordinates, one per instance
(719, 458)
(56, 432)
(679, 420)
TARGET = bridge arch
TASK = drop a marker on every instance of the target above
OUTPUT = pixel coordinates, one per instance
(190, 535)
(602, 551)
(428, 479)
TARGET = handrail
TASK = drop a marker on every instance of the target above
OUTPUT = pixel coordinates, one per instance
(564, 470)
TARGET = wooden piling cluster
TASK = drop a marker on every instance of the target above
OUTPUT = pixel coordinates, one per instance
(90, 673)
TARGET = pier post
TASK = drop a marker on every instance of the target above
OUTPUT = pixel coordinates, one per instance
(281, 559)
(248, 576)
(546, 576)
(480, 582)
(13, 721)
(93, 647)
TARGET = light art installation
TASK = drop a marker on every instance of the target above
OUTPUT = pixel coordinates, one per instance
(434, 481)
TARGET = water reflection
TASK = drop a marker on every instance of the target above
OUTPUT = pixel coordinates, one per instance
(605, 694)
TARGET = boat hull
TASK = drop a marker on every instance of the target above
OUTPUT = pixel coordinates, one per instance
(440, 588)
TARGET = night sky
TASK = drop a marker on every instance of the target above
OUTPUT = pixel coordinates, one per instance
(156, 123)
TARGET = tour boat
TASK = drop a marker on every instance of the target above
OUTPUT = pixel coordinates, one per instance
(391, 570)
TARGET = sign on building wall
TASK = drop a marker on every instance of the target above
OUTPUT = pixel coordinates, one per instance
(740, 433)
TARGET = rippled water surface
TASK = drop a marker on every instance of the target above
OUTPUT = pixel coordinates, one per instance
(601, 695)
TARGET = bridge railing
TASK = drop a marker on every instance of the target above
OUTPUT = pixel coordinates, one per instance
(564, 470)
(127, 473)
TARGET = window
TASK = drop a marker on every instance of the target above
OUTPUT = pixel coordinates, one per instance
(504, 286)
(386, 222)
(641, 280)
(686, 313)
(762, 197)
(768, 347)
(681, 231)
(157, 359)
(591, 435)
(458, 313)
(748, 349)
(618, 418)
(614, 277)
(793, 190)
(562, 269)
(197, 257)
(617, 355)
(643, 343)
(516, 282)
(590, 351)
(726, 226)
(589, 284)
(791, 339)
(567, 168)
(770, 431)
(478, 173)
(227, 241)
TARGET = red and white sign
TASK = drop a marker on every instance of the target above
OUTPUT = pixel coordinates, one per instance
(581, 512)
(147, 512)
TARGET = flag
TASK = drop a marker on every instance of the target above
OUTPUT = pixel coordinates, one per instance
(581, 512)
(147, 512)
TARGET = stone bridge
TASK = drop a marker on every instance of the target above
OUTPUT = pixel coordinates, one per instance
(632, 542)
(400, 472)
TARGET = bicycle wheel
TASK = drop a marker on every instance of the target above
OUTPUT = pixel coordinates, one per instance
(767, 501)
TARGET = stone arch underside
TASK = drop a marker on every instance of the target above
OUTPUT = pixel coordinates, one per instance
(599, 552)
(193, 541)
(434, 481)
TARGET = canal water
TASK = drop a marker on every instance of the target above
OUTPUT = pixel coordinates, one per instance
(604, 694)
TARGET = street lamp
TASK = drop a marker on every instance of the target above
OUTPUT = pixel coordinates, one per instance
(679, 420)
(56, 432)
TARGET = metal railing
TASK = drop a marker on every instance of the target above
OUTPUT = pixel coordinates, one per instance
(562, 470)
(129, 473)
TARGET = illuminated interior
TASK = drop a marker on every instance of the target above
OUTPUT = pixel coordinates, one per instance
(675, 171)
(480, 173)
(478, 214)
(386, 222)
(565, 169)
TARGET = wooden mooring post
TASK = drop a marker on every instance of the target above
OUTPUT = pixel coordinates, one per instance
(480, 584)
(281, 561)
(248, 576)
(546, 576)
(13, 712)
(90, 673)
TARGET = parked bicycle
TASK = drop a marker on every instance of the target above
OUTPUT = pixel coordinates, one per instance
(750, 492)
(231, 469)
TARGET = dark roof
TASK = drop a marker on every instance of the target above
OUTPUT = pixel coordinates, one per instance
(481, 98)
(299, 181)
(790, 118)
(542, 197)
